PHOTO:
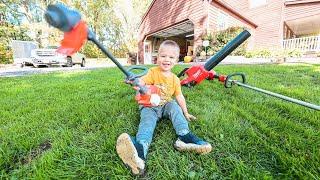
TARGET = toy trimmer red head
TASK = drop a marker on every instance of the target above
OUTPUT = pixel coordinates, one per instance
(68, 21)
(76, 33)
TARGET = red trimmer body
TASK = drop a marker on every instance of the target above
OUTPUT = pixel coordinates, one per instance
(196, 74)
(146, 99)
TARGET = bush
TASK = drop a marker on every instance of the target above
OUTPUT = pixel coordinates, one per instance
(90, 50)
(8, 32)
(265, 53)
(294, 53)
(219, 39)
(258, 54)
(121, 52)
(5, 54)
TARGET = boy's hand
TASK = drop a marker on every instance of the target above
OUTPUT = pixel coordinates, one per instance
(189, 117)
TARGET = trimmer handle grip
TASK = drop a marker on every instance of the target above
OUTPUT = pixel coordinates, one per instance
(136, 83)
(143, 68)
(135, 77)
(229, 82)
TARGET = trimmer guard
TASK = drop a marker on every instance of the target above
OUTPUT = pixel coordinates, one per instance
(74, 39)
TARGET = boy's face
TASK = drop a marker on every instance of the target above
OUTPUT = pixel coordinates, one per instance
(167, 58)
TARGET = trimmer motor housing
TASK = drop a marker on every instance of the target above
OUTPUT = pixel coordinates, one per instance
(196, 74)
(149, 99)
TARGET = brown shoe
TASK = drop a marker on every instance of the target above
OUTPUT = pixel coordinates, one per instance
(200, 149)
(129, 155)
(191, 142)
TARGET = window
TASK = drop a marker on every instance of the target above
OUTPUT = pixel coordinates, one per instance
(257, 3)
(222, 21)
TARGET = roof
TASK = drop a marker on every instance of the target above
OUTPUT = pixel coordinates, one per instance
(145, 14)
(230, 9)
(182, 28)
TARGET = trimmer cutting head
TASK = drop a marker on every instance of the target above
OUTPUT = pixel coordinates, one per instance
(69, 21)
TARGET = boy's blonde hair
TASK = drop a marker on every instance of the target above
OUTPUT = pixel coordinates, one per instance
(172, 44)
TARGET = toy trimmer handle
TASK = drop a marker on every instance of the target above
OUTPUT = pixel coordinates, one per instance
(143, 68)
(135, 80)
(77, 32)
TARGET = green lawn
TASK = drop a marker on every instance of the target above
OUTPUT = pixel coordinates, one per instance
(65, 125)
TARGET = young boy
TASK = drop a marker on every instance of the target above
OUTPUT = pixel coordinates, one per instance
(133, 151)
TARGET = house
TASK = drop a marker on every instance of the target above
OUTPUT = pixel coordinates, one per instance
(273, 24)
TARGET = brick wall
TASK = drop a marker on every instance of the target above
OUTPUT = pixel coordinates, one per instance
(300, 10)
(268, 17)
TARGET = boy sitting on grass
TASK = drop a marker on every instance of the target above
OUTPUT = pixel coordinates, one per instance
(133, 151)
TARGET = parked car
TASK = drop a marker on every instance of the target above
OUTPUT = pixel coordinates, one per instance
(49, 56)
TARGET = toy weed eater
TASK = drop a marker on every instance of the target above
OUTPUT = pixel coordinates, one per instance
(76, 33)
(196, 74)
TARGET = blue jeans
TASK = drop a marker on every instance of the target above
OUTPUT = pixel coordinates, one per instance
(149, 116)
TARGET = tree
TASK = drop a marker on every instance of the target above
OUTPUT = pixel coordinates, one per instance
(129, 13)
(9, 32)
(115, 22)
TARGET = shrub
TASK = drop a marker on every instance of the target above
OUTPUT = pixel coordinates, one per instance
(266, 53)
(219, 39)
(202, 53)
(5, 54)
(294, 53)
(90, 50)
(8, 32)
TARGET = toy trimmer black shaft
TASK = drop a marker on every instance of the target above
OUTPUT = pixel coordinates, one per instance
(76, 33)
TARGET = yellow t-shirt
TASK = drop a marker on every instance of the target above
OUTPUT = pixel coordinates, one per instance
(169, 86)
